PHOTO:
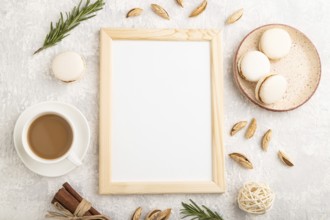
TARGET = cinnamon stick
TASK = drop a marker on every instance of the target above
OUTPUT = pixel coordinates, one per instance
(70, 199)
(76, 195)
(67, 201)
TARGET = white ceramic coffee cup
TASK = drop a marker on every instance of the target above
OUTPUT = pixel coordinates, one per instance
(69, 155)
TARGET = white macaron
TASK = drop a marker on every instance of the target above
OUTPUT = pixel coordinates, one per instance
(275, 43)
(271, 88)
(68, 66)
(253, 66)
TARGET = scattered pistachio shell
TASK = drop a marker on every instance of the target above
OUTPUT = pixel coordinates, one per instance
(137, 214)
(266, 139)
(235, 16)
(242, 160)
(251, 129)
(134, 12)
(153, 214)
(180, 2)
(160, 11)
(164, 215)
(237, 127)
(199, 9)
(284, 158)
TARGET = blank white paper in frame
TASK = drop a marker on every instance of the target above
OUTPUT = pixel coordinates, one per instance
(161, 121)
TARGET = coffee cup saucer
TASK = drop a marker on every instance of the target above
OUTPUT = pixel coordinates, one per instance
(82, 141)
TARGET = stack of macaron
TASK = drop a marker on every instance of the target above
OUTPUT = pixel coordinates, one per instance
(255, 66)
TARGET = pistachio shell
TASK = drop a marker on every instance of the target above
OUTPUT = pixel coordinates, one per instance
(137, 214)
(251, 129)
(266, 139)
(237, 127)
(197, 11)
(284, 158)
(242, 160)
(160, 11)
(153, 214)
(235, 16)
(134, 12)
(164, 215)
(180, 2)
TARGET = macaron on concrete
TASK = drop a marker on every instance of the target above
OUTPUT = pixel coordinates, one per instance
(253, 66)
(271, 88)
(275, 43)
(68, 66)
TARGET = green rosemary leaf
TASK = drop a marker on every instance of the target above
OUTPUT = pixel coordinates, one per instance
(87, 18)
(72, 19)
(196, 212)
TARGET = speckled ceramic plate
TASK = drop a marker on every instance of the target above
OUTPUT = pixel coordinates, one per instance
(301, 67)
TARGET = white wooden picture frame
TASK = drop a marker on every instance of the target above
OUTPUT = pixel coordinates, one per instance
(161, 111)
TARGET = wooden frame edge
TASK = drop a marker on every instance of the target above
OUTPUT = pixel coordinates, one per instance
(164, 187)
(104, 114)
(217, 111)
(161, 34)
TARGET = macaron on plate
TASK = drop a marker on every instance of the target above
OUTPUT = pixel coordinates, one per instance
(292, 63)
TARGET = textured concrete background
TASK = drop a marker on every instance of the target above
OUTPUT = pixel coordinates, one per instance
(302, 192)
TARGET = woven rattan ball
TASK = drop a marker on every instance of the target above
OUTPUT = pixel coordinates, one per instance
(255, 198)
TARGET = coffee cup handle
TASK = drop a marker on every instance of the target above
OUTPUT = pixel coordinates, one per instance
(74, 159)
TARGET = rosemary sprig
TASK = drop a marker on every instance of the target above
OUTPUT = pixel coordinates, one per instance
(72, 19)
(197, 213)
